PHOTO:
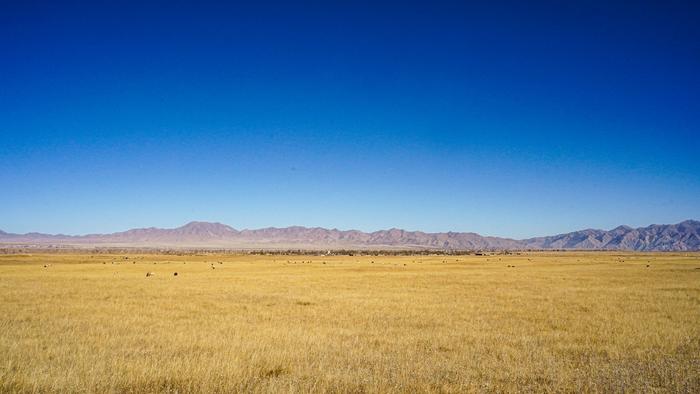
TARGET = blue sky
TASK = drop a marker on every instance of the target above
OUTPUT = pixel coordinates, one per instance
(502, 118)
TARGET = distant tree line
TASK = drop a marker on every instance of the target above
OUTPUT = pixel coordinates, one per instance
(26, 249)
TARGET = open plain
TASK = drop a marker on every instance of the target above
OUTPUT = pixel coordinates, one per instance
(534, 322)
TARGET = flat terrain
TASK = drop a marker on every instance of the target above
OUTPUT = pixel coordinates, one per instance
(567, 322)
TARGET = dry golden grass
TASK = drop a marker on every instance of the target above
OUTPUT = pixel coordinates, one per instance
(567, 322)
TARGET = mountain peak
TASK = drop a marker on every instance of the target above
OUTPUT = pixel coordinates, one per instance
(681, 236)
(197, 227)
(196, 223)
(622, 228)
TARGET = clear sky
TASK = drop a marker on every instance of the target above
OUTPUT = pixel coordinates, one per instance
(504, 118)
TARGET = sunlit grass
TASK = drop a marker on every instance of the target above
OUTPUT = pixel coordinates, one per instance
(550, 322)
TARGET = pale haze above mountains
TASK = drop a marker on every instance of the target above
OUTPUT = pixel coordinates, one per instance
(684, 236)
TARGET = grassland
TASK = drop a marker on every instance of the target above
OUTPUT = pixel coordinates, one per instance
(567, 322)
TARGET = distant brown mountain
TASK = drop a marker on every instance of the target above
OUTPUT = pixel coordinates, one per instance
(657, 237)
(669, 237)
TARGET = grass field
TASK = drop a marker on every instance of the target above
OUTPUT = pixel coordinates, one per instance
(547, 322)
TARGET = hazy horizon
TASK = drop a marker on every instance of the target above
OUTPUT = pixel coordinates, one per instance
(514, 121)
(344, 229)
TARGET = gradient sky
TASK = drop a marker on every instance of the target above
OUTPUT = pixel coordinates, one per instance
(512, 119)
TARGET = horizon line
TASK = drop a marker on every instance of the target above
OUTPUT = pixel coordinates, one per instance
(341, 230)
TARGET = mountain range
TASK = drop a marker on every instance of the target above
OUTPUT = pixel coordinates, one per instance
(684, 236)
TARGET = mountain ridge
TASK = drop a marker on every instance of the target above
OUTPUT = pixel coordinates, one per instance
(683, 236)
